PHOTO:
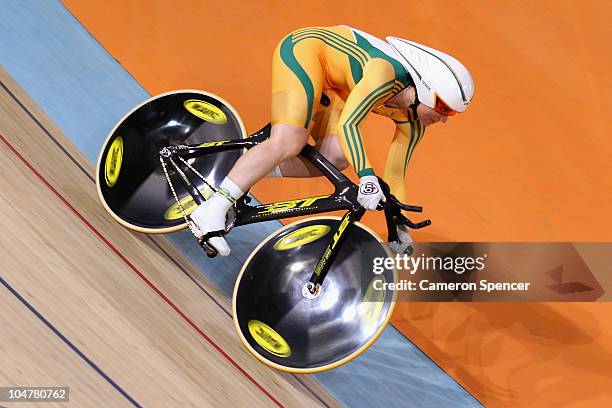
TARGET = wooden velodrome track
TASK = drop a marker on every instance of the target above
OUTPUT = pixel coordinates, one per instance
(121, 318)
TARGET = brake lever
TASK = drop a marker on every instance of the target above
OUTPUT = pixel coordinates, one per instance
(418, 225)
(393, 207)
(403, 220)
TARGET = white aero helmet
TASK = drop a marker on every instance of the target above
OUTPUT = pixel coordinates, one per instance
(442, 82)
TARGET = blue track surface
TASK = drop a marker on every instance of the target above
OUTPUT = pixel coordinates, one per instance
(85, 91)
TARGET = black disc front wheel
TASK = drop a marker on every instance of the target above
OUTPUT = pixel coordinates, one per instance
(288, 329)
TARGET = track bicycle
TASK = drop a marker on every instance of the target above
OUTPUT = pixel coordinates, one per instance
(303, 301)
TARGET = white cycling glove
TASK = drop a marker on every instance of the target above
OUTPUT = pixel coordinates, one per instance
(370, 192)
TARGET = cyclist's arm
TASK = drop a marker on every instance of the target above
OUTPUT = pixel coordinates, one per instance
(407, 135)
(375, 85)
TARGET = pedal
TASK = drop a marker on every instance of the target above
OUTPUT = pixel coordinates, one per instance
(211, 252)
(209, 249)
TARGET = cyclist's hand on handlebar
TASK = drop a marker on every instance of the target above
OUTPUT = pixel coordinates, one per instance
(370, 193)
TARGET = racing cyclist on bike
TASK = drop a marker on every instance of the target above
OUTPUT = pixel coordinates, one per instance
(353, 73)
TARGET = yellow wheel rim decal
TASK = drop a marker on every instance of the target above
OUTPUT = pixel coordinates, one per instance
(269, 339)
(112, 165)
(205, 111)
(301, 237)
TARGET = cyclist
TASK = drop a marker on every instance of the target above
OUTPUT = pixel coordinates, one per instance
(353, 73)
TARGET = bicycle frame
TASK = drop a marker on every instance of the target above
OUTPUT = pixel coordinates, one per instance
(343, 198)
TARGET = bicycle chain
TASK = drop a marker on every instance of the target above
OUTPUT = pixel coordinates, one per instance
(231, 216)
(186, 163)
(196, 232)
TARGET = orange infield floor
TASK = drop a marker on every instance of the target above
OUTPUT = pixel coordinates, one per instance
(529, 161)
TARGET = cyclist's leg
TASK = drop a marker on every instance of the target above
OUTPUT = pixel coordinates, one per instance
(324, 131)
(285, 142)
(297, 81)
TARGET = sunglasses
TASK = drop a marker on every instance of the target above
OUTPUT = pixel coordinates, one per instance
(441, 107)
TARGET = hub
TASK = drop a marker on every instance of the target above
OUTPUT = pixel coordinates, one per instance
(310, 290)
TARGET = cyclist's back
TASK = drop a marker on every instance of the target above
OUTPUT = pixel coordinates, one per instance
(344, 52)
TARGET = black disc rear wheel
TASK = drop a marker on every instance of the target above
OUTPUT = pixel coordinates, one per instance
(129, 177)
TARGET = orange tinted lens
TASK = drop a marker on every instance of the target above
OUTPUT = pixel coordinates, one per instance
(441, 107)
